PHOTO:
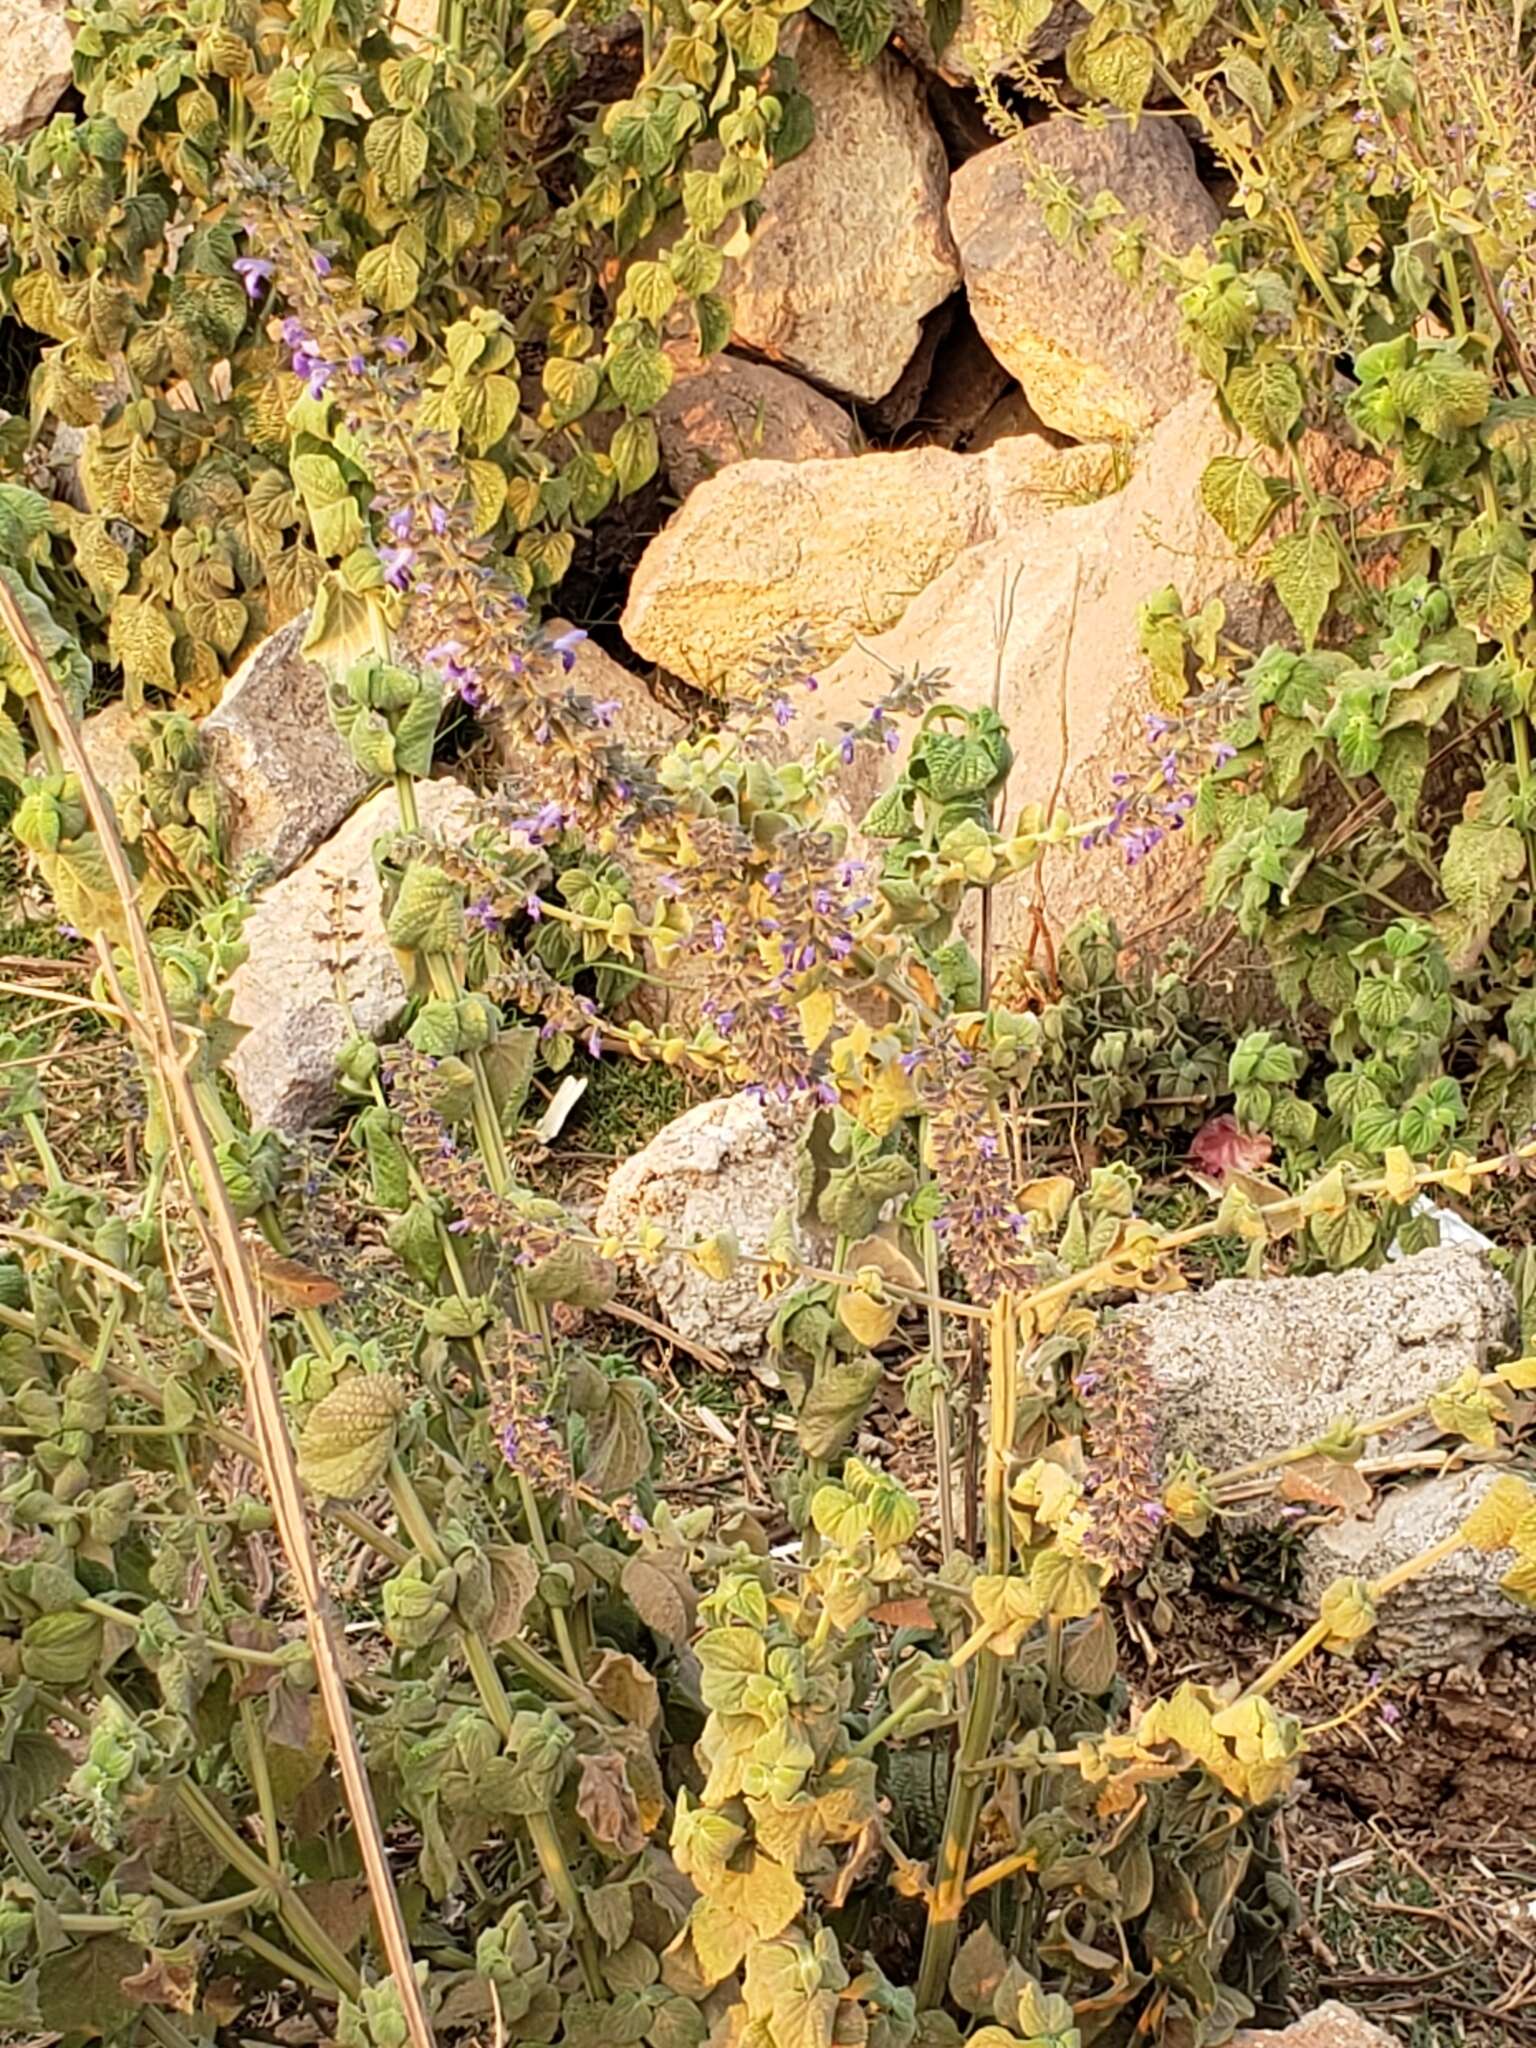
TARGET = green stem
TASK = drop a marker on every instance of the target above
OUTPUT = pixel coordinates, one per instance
(968, 1785)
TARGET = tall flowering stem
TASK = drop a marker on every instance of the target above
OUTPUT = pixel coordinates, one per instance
(1124, 1478)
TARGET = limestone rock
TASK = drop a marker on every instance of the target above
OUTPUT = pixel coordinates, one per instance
(106, 734)
(1456, 1612)
(1098, 357)
(1329, 2026)
(39, 46)
(285, 991)
(1247, 1367)
(1071, 680)
(732, 1163)
(722, 409)
(852, 248)
(842, 547)
(290, 776)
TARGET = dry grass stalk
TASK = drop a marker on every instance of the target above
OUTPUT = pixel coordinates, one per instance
(240, 1298)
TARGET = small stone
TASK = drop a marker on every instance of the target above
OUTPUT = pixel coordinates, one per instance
(286, 990)
(39, 47)
(289, 775)
(852, 247)
(722, 409)
(1454, 1613)
(1248, 1367)
(1329, 2026)
(1098, 357)
(729, 1164)
(841, 547)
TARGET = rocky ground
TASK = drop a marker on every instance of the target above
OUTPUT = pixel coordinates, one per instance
(940, 437)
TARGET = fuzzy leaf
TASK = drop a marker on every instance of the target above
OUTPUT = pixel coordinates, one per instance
(349, 1437)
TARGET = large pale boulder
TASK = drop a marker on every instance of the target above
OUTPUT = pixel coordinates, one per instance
(1045, 614)
(289, 775)
(729, 1164)
(1245, 1368)
(852, 247)
(842, 547)
(316, 934)
(1454, 1613)
(1097, 356)
(722, 409)
(39, 46)
(1327, 2026)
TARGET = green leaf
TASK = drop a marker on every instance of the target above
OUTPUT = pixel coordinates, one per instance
(571, 388)
(635, 454)
(1306, 572)
(428, 913)
(1119, 70)
(1489, 577)
(349, 1437)
(142, 642)
(80, 1989)
(395, 146)
(1478, 871)
(1400, 770)
(640, 375)
(389, 277)
(863, 27)
(1266, 399)
(1345, 1237)
(1240, 500)
(652, 289)
(1444, 394)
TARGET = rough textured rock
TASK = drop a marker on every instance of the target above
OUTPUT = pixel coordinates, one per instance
(733, 1163)
(1329, 2026)
(1456, 1613)
(285, 991)
(1098, 357)
(1247, 1367)
(840, 546)
(1072, 679)
(106, 734)
(852, 248)
(722, 409)
(39, 45)
(289, 775)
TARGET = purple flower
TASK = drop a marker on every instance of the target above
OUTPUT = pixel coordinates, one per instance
(356, 364)
(605, 710)
(533, 907)
(1221, 753)
(321, 261)
(397, 566)
(483, 913)
(255, 273)
(845, 749)
(783, 711)
(565, 645)
(401, 522)
(395, 345)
